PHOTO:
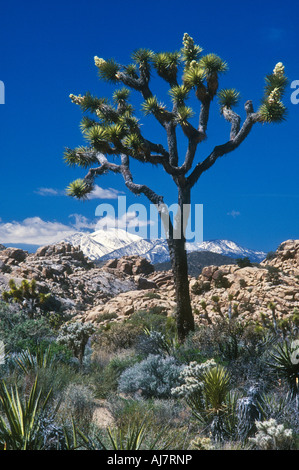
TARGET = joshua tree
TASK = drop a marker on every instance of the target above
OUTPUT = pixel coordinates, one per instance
(112, 130)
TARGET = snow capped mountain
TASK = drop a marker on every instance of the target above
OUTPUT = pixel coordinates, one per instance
(228, 248)
(115, 243)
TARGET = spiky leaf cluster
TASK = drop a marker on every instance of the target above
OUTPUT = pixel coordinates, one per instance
(183, 114)
(107, 69)
(152, 106)
(134, 143)
(81, 156)
(228, 98)
(121, 95)
(193, 76)
(143, 58)
(179, 94)
(97, 136)
(272, 109)
(88, 102)
(212, 63)
(79, 189)
(166, 64)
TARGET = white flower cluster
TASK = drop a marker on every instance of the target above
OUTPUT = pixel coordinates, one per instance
(279, 69)
(193, 376)
(272, 436)
(274, 95)
(99, 61)
(77, 99)
(188, 42)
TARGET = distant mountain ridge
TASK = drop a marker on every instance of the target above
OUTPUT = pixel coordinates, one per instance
(197, 260)
(116, 243)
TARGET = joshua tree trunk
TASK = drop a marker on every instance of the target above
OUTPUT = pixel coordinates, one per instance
(179, 264)
(184, 317)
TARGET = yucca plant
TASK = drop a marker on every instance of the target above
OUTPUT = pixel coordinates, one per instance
(285, 363)
(137, 435)
(20, 418)
(207, 392)
(28, 361)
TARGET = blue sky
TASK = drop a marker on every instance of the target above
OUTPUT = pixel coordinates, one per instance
(250, 196)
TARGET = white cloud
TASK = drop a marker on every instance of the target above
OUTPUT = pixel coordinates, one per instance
(35, 231)
(234, 213)
(126, 221)
(101, 193)
(82, 222)
(50, 192)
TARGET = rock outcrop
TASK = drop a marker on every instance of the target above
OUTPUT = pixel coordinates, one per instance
(127, 285)
(249, 293)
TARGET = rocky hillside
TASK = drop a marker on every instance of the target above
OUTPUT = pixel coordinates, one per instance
(75, 282)
(123, 286)
(249, 293)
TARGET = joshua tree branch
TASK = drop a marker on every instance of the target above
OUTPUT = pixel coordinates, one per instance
(228, 147)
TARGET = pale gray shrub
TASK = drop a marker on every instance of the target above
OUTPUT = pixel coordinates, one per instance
(154, 377)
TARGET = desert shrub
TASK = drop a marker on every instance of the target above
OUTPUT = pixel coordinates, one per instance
(139, 434)
(152, 295)
(222, 282)
(78, 404)
(243, 262)
(116, 337)
(107, 380)
(273, 275)
(126, 335)
(170, 411)
(272, 436)
(279, 405)
(270, 255)
(158, 343)
(199, 287)
(155, 376)
(18, 332)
